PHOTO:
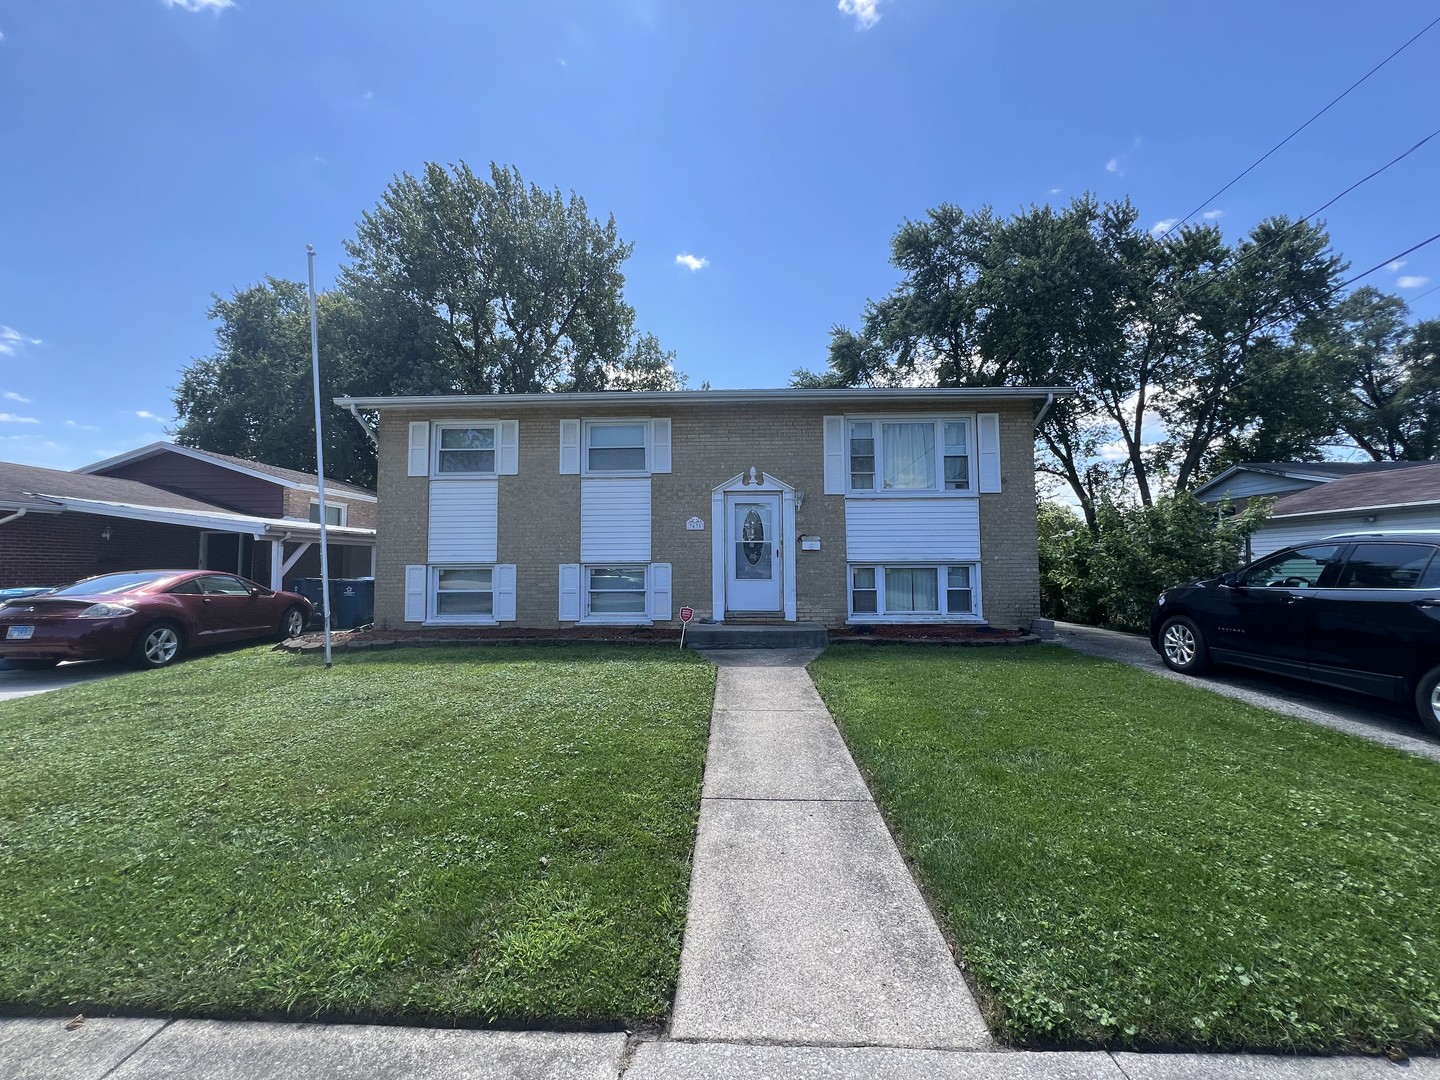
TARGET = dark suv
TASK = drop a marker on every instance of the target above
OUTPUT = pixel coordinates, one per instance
(1359, 611)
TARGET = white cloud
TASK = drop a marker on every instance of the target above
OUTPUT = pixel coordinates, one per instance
(200, 5)
(10, 395)
(1396, 266)
(865, 12)
(690, 261)
(1054, 191)
(1113, 165)
(145, 414)
(1164, 225)
(81, 427)
(12, 340)
(11, 418)
(1411, 281)
(1211, 215)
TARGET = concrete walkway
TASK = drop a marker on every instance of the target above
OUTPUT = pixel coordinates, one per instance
(805, 925)
(1367, 718)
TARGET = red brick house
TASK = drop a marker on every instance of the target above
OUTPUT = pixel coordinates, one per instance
(168, 506)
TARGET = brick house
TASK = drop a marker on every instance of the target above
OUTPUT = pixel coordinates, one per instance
(618, 508)
(173, 507)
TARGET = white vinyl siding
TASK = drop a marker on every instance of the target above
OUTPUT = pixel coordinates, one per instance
(1279, 532)
(464, 521)
(912, 530)
(615, 519)
(901, 593)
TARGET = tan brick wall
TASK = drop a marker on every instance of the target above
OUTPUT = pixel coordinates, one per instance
(539, 520)
(359, 514)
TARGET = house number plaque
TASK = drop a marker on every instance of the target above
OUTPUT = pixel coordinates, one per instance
(695, 524)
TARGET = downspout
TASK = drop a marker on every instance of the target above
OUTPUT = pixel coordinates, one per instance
(1040, 419)
(363, 425)
(17, 514)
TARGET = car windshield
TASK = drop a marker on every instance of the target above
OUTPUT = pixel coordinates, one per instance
(111, 583)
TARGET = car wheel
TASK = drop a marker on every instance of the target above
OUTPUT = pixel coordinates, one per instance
(33, 665)
(157, 646)
(1427, 700)
(1182, 646)
(292, 623)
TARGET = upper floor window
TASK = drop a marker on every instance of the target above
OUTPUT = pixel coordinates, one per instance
(615, 447)
(465, 449)
(910, 455)
(334, 512)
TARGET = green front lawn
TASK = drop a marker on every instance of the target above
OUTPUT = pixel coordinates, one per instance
(1124, 861)
(443, 835)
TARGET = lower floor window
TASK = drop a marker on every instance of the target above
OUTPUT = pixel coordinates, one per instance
(912, 590)
(465, 591)
(614, 590)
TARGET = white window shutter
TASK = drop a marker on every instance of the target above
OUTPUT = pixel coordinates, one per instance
(660, 591)
(509, 447)
(569, 446)
(835, 455)
(569, 592)
(659, 445)
(416, 588)
(989, 440)
(503, 581)
(419, 448)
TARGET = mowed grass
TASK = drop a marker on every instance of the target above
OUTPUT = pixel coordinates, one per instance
(1123, 861)
(441, 835)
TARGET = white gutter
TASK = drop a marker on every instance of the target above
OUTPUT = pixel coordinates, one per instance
(17, 514)
(370, 435)
(266, 528)
(1040, 418)
(1428, 503)
(712, 397)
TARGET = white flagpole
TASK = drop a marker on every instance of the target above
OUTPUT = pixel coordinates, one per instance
(319, 456)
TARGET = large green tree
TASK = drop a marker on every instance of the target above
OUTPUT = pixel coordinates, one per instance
(456, 283)
(1383, 374)
(1175, 345)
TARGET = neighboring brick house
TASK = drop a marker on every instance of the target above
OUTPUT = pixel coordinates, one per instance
(173, 507)
(618, 508)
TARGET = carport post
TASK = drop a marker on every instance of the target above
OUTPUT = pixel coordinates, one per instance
(319, 456)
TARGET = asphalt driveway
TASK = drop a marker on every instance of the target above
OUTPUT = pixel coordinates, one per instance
(18, 684)
(1378, 721)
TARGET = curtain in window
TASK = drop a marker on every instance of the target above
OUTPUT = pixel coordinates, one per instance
(909, 456)
(911, 589)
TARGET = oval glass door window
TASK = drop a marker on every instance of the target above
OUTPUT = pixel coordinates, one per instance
(753, 543)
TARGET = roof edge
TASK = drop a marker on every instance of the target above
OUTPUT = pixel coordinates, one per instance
(718, 397)
(1355, 509)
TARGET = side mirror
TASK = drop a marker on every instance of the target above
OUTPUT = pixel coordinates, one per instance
(1230, 580)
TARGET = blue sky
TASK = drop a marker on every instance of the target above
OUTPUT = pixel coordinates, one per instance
(157, 151)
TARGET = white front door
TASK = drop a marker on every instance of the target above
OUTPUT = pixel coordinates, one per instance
(753, 555)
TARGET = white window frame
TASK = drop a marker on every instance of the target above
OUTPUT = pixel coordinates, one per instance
(611, 618)
(432, 599)
(941, 569)
(971, 423)
(449, 425)
(643, 423)
(330, 504)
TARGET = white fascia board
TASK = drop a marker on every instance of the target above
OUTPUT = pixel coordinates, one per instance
(662, 398)
(217, 521)
(200, 455)
(1423, 504)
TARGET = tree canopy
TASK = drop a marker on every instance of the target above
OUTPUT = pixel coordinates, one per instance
(1182, 348)
(455, 284)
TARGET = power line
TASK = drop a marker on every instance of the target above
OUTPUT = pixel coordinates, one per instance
(1299, 129)
(1427, 292)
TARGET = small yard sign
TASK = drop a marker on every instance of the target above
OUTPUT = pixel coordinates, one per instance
(686, 614)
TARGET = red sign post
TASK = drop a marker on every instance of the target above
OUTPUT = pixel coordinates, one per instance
(686, 614)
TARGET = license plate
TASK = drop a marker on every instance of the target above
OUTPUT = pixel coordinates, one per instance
(20, 633)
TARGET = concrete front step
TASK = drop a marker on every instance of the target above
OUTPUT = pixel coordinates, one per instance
(796, 635)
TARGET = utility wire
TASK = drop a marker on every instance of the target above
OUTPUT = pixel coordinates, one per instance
(1299, 129)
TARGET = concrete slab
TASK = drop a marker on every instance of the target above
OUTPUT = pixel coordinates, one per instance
(729, 1061)
(20, 684)
(213, 1050)
(1270, 1067)
(766, 688)
(781, 658)
(779, 755)
(806, 927)
(44, 1050)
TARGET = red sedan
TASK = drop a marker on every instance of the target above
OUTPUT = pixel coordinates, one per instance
(149, 616)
